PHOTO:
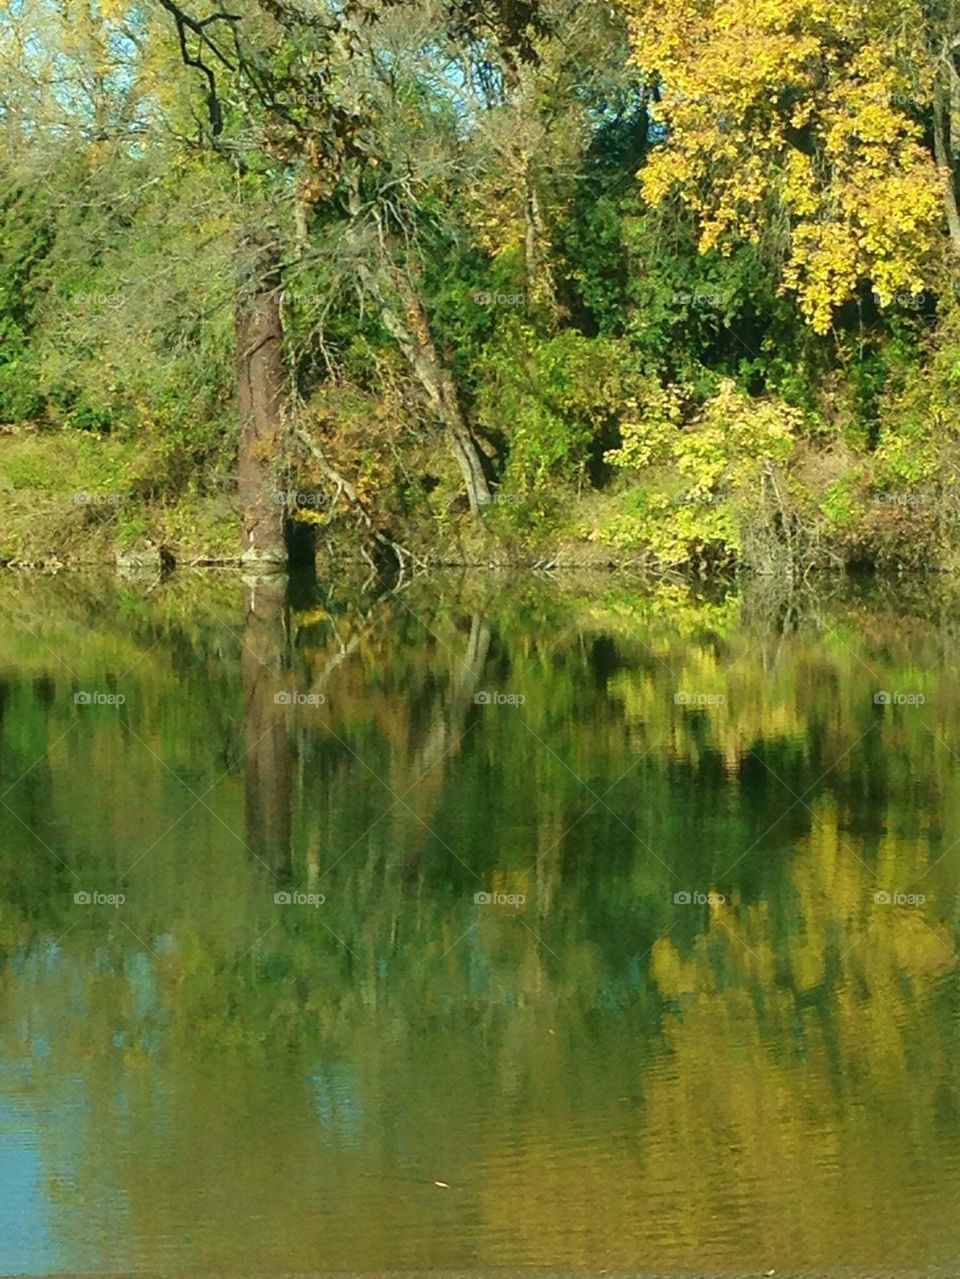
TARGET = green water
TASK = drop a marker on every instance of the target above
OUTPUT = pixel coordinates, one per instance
(588, 1070)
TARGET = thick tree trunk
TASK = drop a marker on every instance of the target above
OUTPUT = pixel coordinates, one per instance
(261, 378)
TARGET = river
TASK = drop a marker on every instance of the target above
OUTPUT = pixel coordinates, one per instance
(471, 926)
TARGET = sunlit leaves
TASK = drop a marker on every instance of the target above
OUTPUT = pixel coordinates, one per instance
(794, 121)
(722, 463)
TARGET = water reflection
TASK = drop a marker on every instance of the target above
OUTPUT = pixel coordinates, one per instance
(703, 1015)
(268, 753)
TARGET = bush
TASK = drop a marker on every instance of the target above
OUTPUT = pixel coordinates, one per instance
(709, 475)
(555, 400)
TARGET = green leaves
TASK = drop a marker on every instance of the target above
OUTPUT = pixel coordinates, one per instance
(551, 398)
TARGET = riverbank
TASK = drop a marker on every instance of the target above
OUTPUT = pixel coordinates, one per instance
(68, 501)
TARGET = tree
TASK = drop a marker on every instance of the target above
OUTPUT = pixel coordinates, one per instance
(803, 127)
(310, 89)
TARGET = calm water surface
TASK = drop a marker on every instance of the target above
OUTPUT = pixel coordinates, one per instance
(702, 1016)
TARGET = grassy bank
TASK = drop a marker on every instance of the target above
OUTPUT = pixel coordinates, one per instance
(68, 499)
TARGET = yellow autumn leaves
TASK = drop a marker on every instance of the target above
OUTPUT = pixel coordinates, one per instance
(797, 119)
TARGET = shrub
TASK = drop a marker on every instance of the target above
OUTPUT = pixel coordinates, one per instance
(708, 476)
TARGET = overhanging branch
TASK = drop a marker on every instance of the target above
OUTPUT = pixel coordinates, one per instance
(186, 24)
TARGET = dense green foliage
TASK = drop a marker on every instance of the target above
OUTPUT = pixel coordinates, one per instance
(639, 388)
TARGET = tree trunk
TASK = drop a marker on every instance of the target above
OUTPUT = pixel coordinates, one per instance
(261, 378)
(406, 322)
(530, 245)
(945, 160)
(541, 290)
(412, 333)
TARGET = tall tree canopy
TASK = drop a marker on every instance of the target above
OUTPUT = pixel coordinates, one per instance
(808, 126)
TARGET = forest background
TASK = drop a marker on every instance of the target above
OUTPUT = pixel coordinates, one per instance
(481, 281)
